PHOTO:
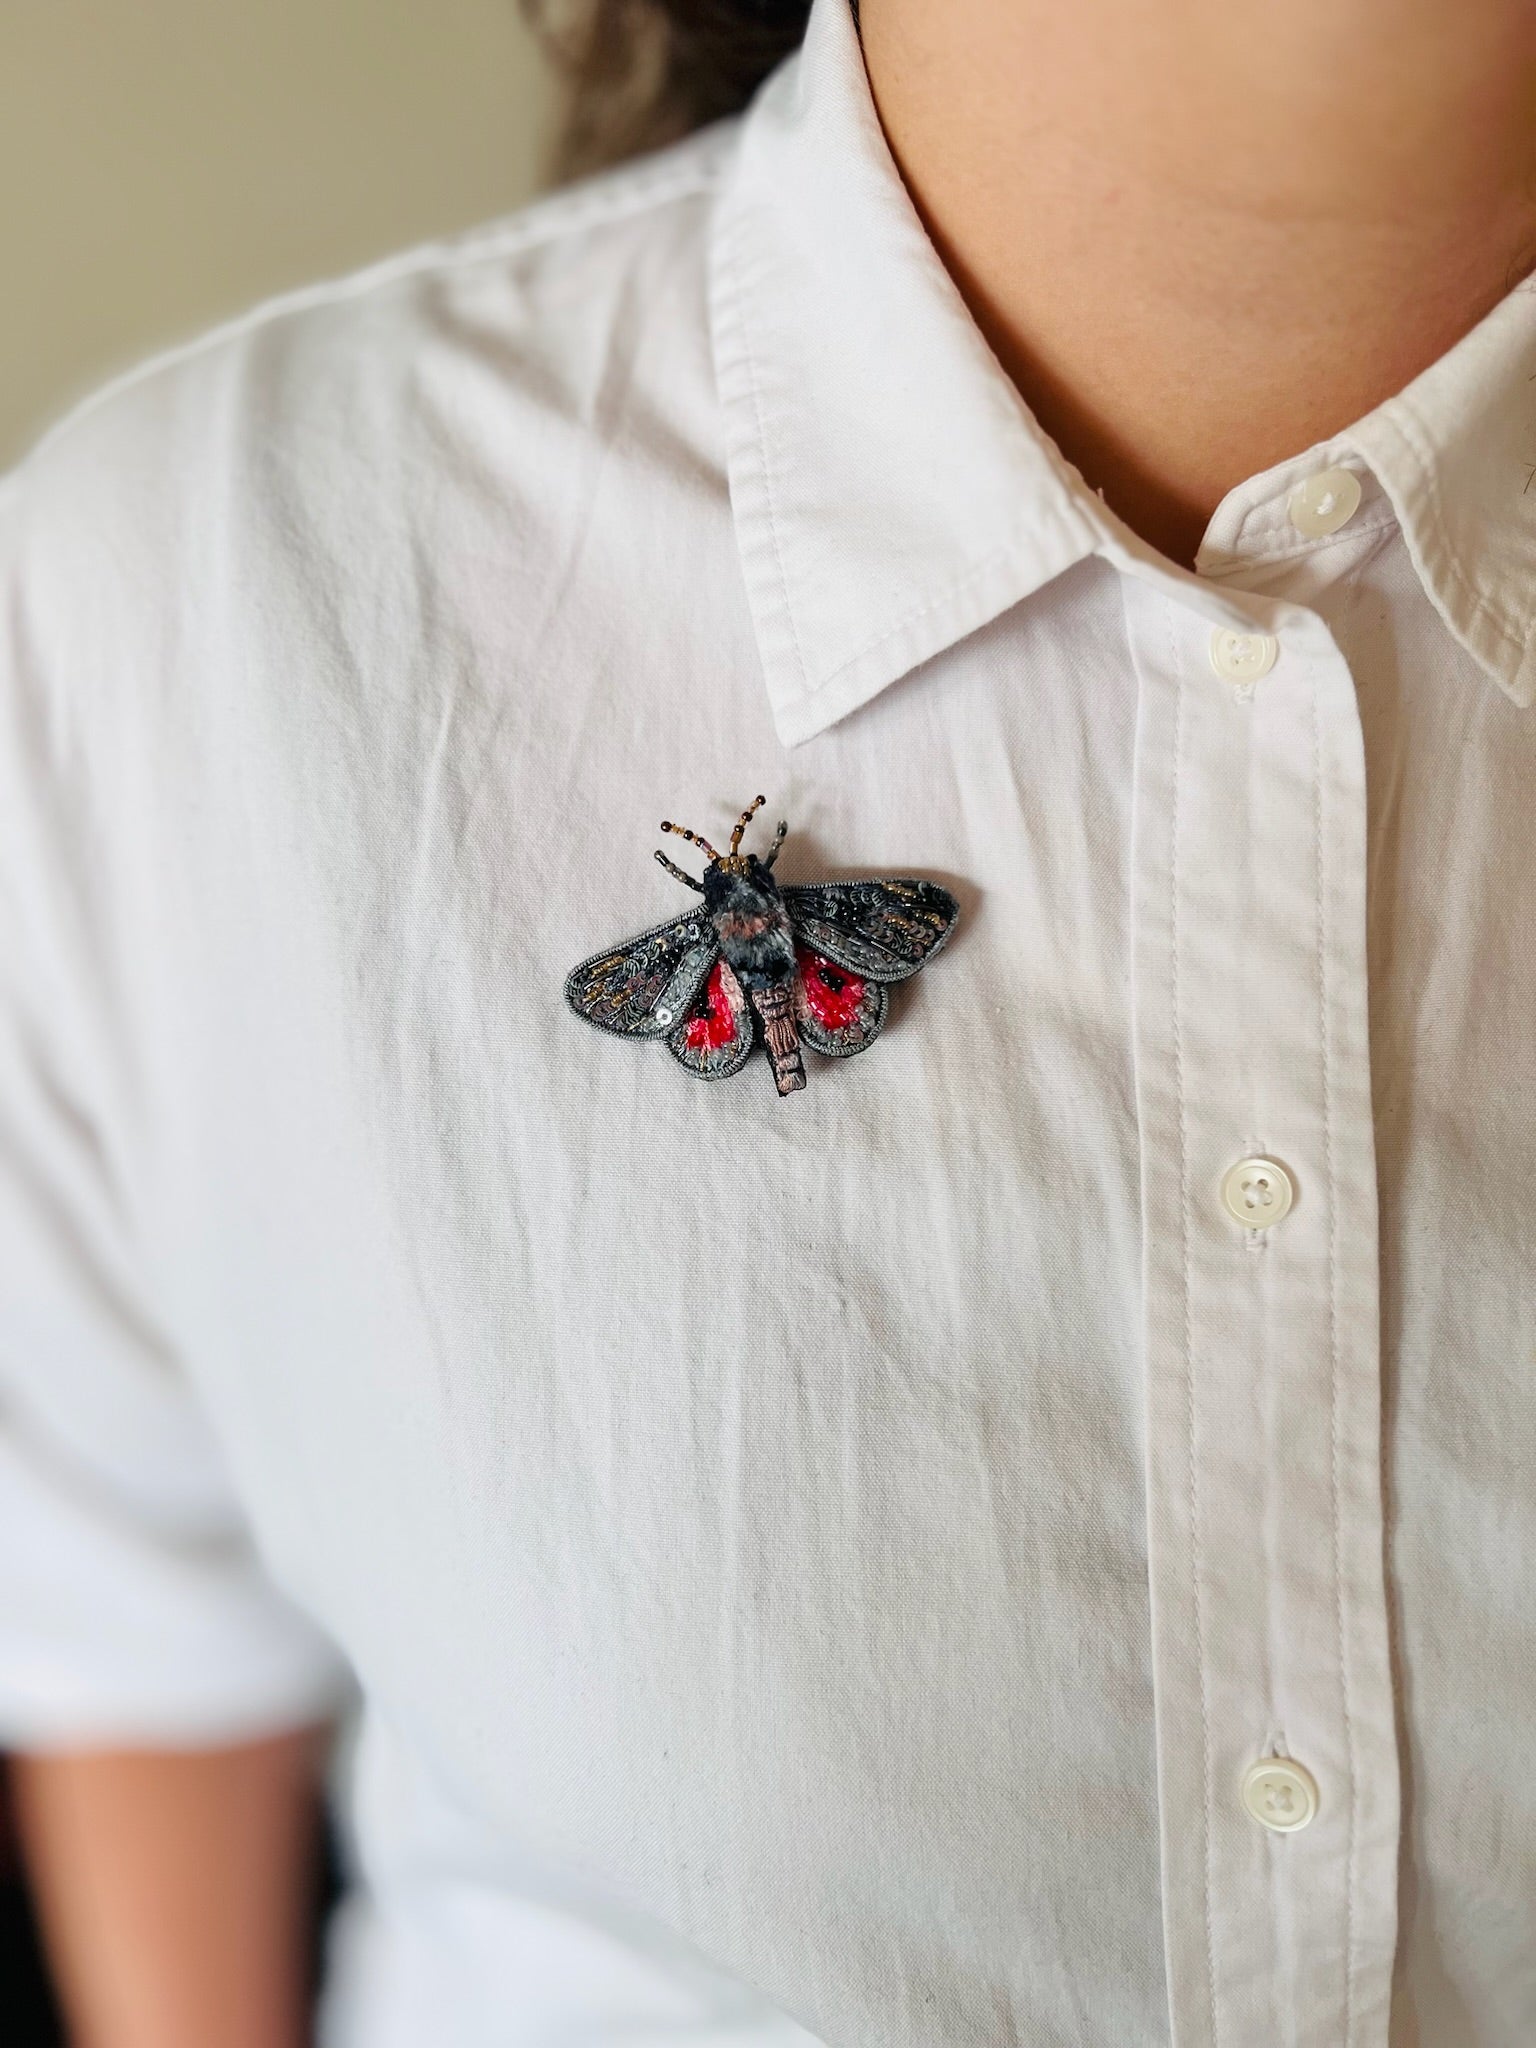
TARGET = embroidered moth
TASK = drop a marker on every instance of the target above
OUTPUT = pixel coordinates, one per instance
(803, 964)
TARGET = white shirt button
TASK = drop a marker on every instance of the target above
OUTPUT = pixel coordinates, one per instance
(1257, 1192)
(1280, 1794)
(1324, 503)
(1243, 657)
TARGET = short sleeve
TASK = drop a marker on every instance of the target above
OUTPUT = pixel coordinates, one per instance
(134, 1607)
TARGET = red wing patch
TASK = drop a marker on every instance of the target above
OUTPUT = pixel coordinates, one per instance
(713, 1022)
(717, 1034)
(838, 1012)
(832, 994)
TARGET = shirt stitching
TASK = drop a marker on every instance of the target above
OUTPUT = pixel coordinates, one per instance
(1247, 558)
(749, 360)
(1483, 604)
(947, 595)
(1185, 1231)
(1330, 1181)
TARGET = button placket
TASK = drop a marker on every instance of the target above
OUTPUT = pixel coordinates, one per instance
(1262, 1400)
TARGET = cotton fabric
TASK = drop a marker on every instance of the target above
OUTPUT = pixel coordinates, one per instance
(812, 1570)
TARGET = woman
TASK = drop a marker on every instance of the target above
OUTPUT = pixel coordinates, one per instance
(1019, 1539)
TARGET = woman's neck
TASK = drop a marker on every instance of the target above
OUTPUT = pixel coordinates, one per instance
(1203, 234)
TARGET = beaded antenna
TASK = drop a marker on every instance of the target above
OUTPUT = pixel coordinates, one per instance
(791, 966)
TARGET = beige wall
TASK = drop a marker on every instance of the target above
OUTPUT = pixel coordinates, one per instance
(166, 162)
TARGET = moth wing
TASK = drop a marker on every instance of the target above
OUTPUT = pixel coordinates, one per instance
(837, 1012)
(642, 988)
(882, 930)
(718, 1030)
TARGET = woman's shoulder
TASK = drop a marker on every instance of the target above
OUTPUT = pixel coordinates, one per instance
(395, 367)
(314, 496)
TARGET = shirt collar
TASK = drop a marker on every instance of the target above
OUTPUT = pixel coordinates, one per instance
(1455, 451)
(891, 491)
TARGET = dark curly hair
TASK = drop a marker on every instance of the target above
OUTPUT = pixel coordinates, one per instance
(641, 73)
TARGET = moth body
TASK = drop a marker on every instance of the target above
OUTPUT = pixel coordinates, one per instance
(752, 923)
(757, 943)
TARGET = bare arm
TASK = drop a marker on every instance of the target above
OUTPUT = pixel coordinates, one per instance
(174, 1889)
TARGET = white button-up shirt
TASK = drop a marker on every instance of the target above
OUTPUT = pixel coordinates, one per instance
(1026, 1541)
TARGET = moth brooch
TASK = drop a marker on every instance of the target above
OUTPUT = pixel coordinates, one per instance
(805, 964)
